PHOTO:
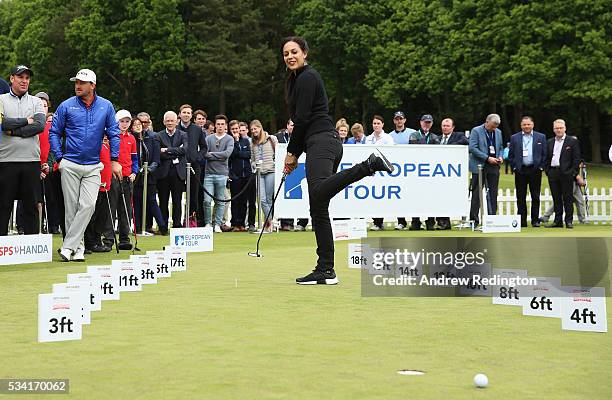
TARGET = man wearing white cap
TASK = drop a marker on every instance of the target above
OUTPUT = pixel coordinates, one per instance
(83, 120)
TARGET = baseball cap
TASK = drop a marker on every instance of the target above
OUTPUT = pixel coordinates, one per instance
(19, 69)
(399, 114)
(122, 114)
(427, 117)
(85, 75)
(42, 95)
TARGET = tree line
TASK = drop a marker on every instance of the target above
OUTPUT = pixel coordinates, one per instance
(463, 58)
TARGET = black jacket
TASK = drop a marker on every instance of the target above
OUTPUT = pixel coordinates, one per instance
(240, 160)
(177, 148)
(148, 151)
(196, 144)
(308, 108)
(569, 160)
(455, 138)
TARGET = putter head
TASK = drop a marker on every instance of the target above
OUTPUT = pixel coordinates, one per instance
(254, 254)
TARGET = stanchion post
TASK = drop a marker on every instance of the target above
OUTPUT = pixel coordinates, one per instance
(480, 167)
(257, 192)
(187, 194)
(145, 178)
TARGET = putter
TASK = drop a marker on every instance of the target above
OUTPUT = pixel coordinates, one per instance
(110, 213)
(127, 216)
(45, 221)
(256, 252)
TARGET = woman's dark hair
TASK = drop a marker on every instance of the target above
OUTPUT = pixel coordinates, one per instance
(132, 124)
(300, 41)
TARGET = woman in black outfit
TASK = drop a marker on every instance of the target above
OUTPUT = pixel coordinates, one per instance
(314, 134)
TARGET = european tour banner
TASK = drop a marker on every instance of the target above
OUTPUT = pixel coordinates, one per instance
(428, 181)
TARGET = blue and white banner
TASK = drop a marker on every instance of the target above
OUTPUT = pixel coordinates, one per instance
(428, 181)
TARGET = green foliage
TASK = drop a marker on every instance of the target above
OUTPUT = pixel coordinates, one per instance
(463, 58)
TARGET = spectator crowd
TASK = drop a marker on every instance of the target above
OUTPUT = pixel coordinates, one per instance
(88, 170)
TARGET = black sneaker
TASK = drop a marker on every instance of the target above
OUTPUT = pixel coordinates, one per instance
(317, 277)
(379, 163)
(125, 246)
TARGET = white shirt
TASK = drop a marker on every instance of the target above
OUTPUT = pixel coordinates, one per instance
(383, 138)
(557, 151)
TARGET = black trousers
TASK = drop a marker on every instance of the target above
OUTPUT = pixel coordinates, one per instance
(20, 180)
(239, 204)
(561, 187)
(59, 210)
(124, 209)
(528, 177)
(323, 155)
(490, 179)
(194, 192)
(99, 224)
(416, 222)
(174, 185)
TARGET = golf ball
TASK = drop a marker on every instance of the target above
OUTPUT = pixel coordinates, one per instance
(481, 380)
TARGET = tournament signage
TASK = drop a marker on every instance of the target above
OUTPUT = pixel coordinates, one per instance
(428, 180)
(25, 249)
(192, 239)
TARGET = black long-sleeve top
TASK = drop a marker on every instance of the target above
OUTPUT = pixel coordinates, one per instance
(308, 108)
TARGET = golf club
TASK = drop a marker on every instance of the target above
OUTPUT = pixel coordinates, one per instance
(256, 252)
(129, 220)
(45, 221)
(110, 213)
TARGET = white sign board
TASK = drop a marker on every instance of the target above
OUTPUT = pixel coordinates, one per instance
(147, 272)
(357, 255)
(425, 177)
(358, 228)
(192, 239)
(59, 317)
(81, 300)
(108, 278)
(509, 295)
(501, 223)
(158, 261)
(177, 258)
(129, 279)
(95, 292)
(25, 249)
(340, 229)
(584, 309)
(544, 299)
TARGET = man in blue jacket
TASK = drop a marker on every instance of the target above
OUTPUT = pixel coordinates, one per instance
(485, 147)
(83, 120)
(527, 157)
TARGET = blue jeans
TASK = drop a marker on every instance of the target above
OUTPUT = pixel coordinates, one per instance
(266, 192)
(214, 184)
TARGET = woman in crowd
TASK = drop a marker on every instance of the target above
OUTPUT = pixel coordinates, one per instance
(148, 151)
(342, 128)
(262, 157)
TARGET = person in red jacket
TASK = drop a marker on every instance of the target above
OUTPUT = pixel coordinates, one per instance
(100, 223)
(128, 158)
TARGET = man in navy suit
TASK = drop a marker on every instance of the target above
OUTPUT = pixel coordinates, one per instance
(527, 157)
(171, 173)
(562, 165)
(448, 136)
(486, 147)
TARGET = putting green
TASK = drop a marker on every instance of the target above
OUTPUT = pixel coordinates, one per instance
(237, 327)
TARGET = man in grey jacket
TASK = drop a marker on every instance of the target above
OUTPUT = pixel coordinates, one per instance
(220, 146)
(24, 120)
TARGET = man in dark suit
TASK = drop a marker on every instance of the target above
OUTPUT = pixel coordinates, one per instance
(486, 147)
(172, 171)
(448, 136)
(196, 149)
(562, 168)
(527, 157)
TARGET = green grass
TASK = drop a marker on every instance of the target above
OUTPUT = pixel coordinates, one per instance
(199, 335)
